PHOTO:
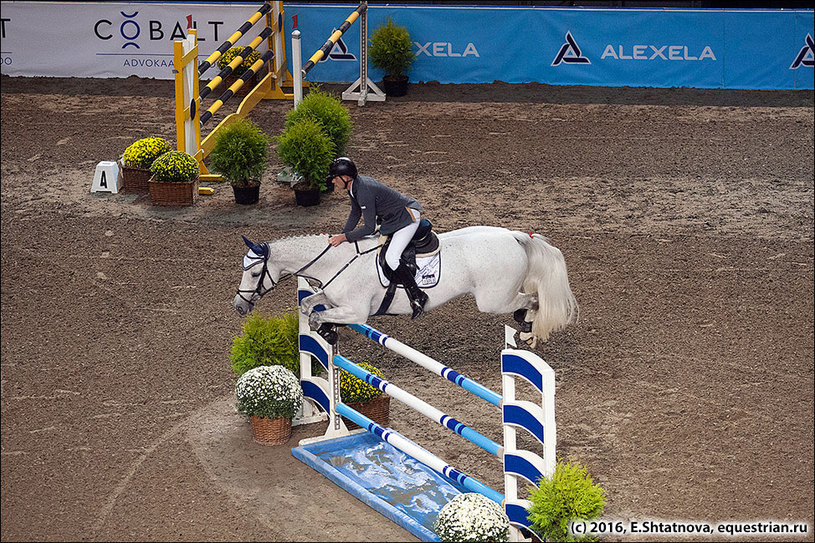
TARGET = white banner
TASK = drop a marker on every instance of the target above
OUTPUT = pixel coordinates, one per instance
(113, 39)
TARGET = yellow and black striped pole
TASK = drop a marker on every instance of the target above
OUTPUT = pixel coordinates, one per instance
(237, 61)
(207, 115)
(329, 44)
(244, 28)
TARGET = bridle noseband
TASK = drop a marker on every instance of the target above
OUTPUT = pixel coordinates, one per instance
(258, 292)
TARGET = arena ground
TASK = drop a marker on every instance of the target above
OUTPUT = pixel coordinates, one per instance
(686, 387)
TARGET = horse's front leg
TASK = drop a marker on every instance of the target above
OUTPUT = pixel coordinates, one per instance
(343, 314)
(308, 303)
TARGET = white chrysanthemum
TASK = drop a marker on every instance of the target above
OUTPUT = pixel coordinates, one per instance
(269, 391)
(472, 517)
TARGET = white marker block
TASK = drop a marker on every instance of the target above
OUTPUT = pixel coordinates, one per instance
(106, 178)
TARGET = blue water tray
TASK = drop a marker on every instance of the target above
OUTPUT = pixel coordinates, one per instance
(383, 477)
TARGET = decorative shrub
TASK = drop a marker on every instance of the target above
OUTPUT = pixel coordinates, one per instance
(174, 167)
(267, 341)
(269, 391)
(233, 52)
(472, 517)
(570, 494)
(391, 49)
(142, 153)
(355, 390)
(240, 153)
(327, 110)
(307, 150)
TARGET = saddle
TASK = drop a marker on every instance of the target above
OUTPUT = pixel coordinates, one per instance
(424, 245)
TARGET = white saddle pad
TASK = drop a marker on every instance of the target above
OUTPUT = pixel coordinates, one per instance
(427, 274)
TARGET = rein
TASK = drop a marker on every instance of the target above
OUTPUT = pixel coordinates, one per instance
(258, 290)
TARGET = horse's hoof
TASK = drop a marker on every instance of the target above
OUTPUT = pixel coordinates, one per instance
(328, 333)
(528, 339)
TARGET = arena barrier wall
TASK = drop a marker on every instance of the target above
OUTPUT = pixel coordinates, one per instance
(537, 418)
(648, 47)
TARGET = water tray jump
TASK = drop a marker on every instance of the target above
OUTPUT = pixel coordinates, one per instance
(384, 478)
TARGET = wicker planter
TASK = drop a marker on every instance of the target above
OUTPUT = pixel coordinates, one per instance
(173, 194)
(270, 431)
(378, 410)
(134, 180)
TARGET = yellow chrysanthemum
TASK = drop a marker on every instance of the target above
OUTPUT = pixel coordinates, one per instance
(175, 167)
(143, 152)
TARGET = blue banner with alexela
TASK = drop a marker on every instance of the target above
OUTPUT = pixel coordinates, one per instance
(648, 47)
(703, 48)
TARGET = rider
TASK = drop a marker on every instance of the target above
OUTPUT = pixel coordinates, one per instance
(399, 216)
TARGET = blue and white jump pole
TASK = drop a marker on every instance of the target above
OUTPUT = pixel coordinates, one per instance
(537, 417)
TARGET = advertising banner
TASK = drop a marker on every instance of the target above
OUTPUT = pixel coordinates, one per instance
(700, 48)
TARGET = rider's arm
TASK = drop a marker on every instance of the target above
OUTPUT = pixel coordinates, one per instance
(353, 217)
(367, 206)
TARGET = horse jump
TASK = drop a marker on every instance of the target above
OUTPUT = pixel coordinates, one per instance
(189, 119)
(363, 82)
(535, 418)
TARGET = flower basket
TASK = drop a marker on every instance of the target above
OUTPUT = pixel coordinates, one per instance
(270, 396)
(134, 180)
(378, 410)
(268, 431)
(173, 193)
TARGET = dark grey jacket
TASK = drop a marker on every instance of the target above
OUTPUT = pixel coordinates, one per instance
(372, 200)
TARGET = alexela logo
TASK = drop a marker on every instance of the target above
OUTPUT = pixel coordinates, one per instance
(570, 52)
(806, 56)
(656, 52)
(339, 52)
(445, 49)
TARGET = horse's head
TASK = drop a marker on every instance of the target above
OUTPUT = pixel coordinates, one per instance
(257, 278)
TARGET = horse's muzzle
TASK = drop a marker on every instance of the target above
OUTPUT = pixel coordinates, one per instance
(242, 306)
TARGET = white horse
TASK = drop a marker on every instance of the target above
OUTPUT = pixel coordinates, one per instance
(506, 271)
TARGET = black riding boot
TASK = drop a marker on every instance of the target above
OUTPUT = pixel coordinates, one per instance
(416, 295)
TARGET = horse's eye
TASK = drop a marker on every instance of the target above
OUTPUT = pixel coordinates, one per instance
(254, 274)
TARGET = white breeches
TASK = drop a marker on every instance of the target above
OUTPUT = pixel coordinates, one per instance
(400, 240)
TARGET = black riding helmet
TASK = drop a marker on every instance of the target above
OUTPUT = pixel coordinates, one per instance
(341, 166)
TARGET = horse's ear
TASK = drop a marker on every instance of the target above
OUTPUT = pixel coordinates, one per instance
(256, 248)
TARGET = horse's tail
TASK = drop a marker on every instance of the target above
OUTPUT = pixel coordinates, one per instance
(547, 276)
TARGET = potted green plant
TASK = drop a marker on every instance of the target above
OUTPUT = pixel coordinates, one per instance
(472, 517)
(240, 155)
(248, 60)
(362, 397)
(330, 114)
(136, 162)
(175, 179)
(392, 52)
(307, 152)
(266, 340)
(569, 494)
(270, 396)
